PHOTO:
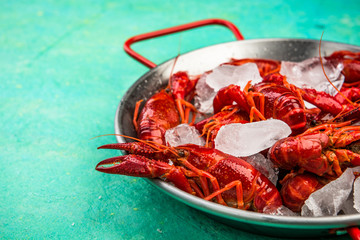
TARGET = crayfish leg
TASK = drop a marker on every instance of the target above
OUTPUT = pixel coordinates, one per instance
(255, 114)
(136, 114)
(347, 157)
(261, 102)
(196, 188)
(184, 114)
(203, 176)
(239, 193)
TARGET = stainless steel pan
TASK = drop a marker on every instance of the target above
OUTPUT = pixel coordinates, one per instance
(201, 60)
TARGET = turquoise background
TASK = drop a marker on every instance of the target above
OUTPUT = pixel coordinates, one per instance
(63, 72)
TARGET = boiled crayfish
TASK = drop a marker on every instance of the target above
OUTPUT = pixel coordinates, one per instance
(230, 180)
(165, 109)
(321, 150)
(351, 62)
(271, 98)
(202, 171)
(314, 156)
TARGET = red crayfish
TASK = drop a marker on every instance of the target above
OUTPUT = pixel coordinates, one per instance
(271, 98)
(205, 172)
(165, 109)
(202, 171)
(320, 150)
(351, 62)
(320, 155)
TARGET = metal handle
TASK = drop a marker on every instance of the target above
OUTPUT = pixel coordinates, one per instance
(171, 30)
(354, 232)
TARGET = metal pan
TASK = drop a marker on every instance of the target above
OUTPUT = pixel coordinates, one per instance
(201, 60)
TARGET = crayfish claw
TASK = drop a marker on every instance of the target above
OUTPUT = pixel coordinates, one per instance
(140, 148)
(133, 165)
(111, 146)
(109, 165)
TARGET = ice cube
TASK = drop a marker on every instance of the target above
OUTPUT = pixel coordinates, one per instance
(183, 134)
(224, 75)
(354, 199)
(309, 74)
(348, 206)
(243, 140)
(329, 200)
(263, 165)
(204, 95)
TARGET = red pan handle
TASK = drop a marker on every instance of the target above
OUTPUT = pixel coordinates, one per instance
(171, 30)
(354, 232)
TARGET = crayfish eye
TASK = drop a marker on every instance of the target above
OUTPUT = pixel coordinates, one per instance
(181, 153)
(313, 123)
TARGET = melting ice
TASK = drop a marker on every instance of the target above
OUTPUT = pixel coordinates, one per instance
(204, 95)
(183, 134)
(243, 140)
(329, 200)
(263, 165)
(224, 75)
(352, 204)
(309, 74)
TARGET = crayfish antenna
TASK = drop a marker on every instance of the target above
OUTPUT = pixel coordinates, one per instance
(344, 114)
(140, 146)
(173, 66)
(172, 70)
(326, 76)
(179, 92)
(147, 142)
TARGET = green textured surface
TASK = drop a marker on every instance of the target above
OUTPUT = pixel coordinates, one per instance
(63, 72)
